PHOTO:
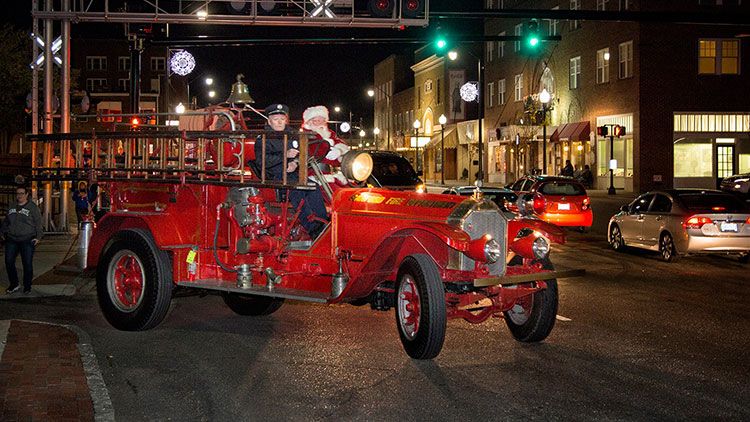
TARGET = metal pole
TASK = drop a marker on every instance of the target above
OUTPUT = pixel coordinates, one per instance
(544, 139)
(34, 93)
(48, 95)
(442, 154)
(136, 47)
(611, 190)
(388, 101)
(65, 116)
(480, 70)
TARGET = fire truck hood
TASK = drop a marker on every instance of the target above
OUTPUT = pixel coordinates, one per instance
(419, 206)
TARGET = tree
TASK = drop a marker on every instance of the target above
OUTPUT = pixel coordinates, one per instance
(15, 82)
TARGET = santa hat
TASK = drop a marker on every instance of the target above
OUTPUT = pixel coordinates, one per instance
(316, 111)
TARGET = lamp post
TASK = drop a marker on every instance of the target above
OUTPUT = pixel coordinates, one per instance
(442, 120)
(611, 190)
(416, 126)
(371, 93)
(544, 97)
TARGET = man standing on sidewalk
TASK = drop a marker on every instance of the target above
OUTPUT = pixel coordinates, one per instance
(21, 230)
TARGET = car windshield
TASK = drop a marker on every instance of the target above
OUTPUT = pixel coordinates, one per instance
(711, 202)
(561, 188)
(498, 198)
(392, 170)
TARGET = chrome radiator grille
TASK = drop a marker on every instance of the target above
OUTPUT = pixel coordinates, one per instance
(477, 218)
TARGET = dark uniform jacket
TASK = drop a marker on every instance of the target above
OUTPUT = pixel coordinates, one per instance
(275, 153)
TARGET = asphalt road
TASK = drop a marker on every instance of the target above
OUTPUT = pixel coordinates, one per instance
(636, 339)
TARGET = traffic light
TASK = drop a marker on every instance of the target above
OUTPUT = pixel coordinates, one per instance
(531, 40)
(602, 130)
(440, 43)
(618, 131)
(412, 8)
(380, 8)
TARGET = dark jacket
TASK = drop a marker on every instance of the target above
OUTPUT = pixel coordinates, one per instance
(22, 223)
(275, 153)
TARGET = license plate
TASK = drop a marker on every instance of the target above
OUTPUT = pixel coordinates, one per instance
(728, 227)
(563, 206)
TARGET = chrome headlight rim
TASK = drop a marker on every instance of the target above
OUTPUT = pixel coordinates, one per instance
(541, 247)
(492, 251)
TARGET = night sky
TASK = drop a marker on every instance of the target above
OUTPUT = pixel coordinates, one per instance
(300, 75)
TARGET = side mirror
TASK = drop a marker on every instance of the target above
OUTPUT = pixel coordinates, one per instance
(624, 208)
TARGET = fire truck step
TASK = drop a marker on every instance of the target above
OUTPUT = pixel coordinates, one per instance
(281, 292)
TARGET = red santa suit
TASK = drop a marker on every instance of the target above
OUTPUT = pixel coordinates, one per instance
(326, 146)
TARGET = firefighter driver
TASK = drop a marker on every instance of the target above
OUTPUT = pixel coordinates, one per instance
(313, 216)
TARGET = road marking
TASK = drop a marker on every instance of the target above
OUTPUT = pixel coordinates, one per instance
(562, 318)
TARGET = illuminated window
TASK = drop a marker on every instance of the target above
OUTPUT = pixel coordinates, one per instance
(718, 57)
(518, 87)
(501, 91)
(602, 66)
(693, 158)
(706, 57)
(575, 72)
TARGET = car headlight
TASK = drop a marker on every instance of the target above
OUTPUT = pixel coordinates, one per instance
(540, 246)
(420, 188)
(492, 251)
(357, 165)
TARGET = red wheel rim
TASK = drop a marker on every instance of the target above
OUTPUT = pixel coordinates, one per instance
(125, 280)
(408, 307)
(520, 313)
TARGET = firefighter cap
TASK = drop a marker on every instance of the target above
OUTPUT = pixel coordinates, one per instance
(277, 109)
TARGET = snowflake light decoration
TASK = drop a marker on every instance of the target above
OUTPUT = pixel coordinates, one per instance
(469, 92)
(182, 63)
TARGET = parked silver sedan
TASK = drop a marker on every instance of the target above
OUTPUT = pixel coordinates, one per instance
(683, 221)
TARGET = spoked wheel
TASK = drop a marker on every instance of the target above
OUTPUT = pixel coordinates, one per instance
(420, 307)
(666, 248)
(615, 238)
(252, 305)
(134, 282)
(532, 317)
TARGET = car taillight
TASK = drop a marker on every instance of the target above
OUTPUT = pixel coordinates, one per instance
(747, 221)
(696, 222)
(586, 203)
(539, 204)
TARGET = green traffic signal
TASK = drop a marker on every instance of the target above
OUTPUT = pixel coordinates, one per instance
(441, 43)
(533, 41)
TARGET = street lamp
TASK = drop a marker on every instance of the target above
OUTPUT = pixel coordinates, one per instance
(371, 93)
(442, 120)
(337, 109)
(209, 81)
(544, 97)
(376, 132)
(211, 94)
(416, 126)
(453, 55)
(179, 109)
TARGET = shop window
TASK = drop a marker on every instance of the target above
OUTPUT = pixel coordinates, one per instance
(693, 159)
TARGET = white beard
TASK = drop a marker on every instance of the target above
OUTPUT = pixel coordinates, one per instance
(323, 131)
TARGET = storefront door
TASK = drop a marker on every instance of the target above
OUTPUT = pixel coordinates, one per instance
(724, 162)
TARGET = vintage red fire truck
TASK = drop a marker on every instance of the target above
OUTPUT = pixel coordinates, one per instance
(186, 211)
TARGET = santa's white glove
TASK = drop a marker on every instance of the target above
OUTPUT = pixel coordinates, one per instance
(340, 178)
(334, 154)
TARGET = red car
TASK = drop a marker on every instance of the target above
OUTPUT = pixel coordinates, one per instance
(556, 199)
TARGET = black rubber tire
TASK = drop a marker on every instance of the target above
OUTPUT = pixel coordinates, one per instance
(157, 290)
(252, 305)
(667, 250)
(430, 335)
(619, 245)
(539, 324)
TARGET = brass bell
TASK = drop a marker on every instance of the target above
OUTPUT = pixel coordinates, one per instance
(239, 94)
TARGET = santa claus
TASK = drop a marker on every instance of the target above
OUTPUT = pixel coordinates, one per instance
(325, 146)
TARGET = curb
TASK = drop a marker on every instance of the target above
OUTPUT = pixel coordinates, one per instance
(103, 409)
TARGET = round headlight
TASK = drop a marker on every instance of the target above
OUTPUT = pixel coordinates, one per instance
(492, 251)
(356, 165)
(540, 247)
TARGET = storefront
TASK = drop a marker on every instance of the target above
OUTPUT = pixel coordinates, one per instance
(623, 153)
(710, 146)
(440, 155)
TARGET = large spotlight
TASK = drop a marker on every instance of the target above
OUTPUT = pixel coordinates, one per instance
(357, 165)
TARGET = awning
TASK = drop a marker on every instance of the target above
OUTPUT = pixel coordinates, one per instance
(578, 131)
(450, 140)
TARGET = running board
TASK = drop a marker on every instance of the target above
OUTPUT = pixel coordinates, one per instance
(526, 278)
(280, 292)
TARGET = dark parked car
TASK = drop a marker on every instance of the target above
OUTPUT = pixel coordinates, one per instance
(739, 183)
(392, 171)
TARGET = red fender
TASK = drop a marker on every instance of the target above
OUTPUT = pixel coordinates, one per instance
(548, 230)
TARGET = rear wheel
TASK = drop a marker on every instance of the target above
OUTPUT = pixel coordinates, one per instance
(420, 307)
(532, 317)
(666, 248)
(252, 305)
(134, 281)
(615, 238)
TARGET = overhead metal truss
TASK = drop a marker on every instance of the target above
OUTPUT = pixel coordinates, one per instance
(302, 13)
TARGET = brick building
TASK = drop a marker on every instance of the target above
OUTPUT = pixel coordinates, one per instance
(673, 86)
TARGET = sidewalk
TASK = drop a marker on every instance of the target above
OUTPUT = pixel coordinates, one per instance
(49, 372)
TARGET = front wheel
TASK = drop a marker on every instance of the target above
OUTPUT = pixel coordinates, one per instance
(134, 281)
(252, 305)
(420, 307)
(615, 238)
(532, 317)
